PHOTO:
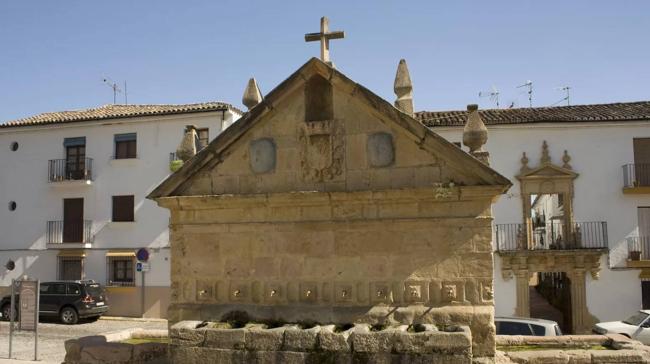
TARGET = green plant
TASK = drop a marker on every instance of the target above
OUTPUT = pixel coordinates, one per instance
(175, 165)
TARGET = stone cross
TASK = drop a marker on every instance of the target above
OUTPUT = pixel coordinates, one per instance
(324, 37)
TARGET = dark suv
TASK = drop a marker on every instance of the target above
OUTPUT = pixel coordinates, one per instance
(68, 300)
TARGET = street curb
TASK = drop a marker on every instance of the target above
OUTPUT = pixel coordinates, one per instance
(135, 319)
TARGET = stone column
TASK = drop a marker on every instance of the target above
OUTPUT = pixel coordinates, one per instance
(579, 310)
(523, 295)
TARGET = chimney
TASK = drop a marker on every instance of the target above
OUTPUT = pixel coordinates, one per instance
(187, 149)
(403, 88)
(475, 134)
(252, 95)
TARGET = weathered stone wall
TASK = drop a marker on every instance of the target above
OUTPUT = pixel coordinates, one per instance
(335, 257)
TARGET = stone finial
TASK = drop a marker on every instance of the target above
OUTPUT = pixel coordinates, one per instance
(187, 148)
(546, 157)
(566, 159)
(252, 95)
(403, 88)
(524, 163)
(475, 134)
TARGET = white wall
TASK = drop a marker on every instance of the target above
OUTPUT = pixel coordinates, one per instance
(24, 179)
(598, 151)
(505, 292)
(615, 295)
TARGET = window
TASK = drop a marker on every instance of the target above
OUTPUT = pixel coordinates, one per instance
(45, 287)
(57, 288)
(75, 158)
(70, 269)
(539, 330)
(125, 146)
(513, 328)
(73, 289)
(204, 138)
(120, 271)
(123, 208)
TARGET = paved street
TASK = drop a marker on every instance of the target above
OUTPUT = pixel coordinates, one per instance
(52, 335)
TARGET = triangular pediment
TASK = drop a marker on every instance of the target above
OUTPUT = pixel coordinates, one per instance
(319, 130)
(546, 171)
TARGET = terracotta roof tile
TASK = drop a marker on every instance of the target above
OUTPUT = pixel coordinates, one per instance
(627, 111)
(117, 112)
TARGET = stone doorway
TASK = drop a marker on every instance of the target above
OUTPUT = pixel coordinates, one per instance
(550, 298)
(524, 265)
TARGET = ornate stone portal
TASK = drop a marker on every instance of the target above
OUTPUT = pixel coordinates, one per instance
(569, 255)
(548, 178)
(346, 226)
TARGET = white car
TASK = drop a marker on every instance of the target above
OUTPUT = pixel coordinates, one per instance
(636, 327)
(526, 326)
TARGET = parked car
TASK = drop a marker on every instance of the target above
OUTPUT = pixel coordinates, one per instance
(635, 327)
(526, 326)
(67, 300)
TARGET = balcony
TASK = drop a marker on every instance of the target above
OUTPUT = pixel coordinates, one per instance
(638, 248)
(636, 178)
(69, 234)
(551, 236)
(70, 171)
(174, 162)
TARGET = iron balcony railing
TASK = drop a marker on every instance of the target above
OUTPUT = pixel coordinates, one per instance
(172, 157)
(59, 170)
(636, 175)
(59, 232)
(551, 235)
(638, 247)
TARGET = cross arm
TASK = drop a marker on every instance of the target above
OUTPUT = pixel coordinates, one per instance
(310, 37)
(335, 35)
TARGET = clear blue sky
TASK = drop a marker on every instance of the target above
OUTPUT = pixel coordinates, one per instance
(54, 54)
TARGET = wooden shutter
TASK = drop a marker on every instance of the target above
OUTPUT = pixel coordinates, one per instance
(123, 208)
(125, 145)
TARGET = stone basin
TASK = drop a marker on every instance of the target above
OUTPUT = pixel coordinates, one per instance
(115, 348)
(196, 341)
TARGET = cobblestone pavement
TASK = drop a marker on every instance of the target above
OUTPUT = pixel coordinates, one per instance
(52, 335)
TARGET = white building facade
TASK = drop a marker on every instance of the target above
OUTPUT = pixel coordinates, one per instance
(73, 187)
(608, 200)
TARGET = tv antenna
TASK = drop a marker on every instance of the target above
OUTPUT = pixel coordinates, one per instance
(116, 90)
(529, 85)
(493, 95)
(566, 98)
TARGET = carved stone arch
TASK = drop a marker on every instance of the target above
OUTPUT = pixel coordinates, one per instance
(547, 178)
